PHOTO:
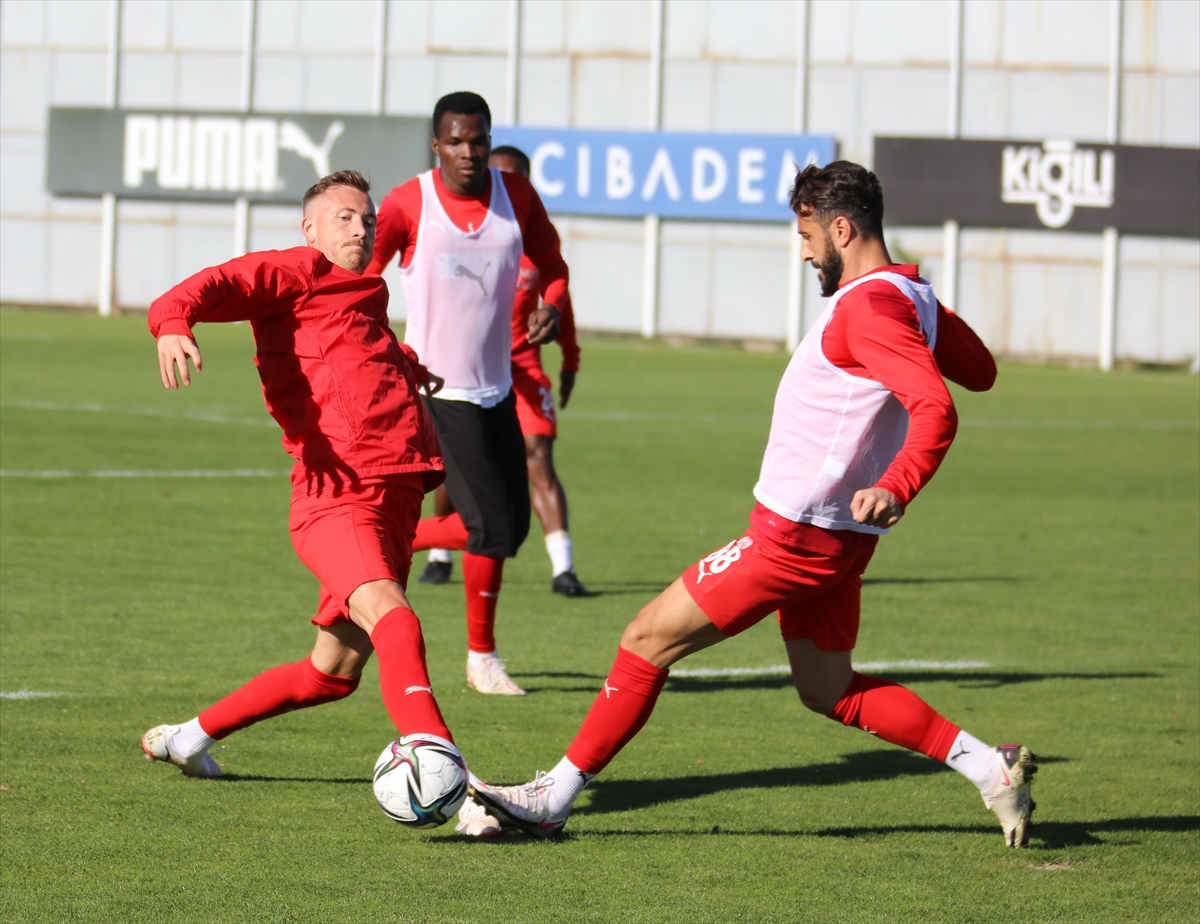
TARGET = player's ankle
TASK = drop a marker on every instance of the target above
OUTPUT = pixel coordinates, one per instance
(476, 658)
(973, 759)
(558, 547)
(569, 782)
(191, 739)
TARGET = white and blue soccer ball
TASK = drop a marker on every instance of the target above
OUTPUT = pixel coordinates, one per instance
(420, 781)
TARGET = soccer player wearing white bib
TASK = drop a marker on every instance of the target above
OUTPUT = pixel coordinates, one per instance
(461, 230)
(862, 421)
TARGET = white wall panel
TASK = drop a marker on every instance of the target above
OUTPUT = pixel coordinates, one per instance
(1034, 68)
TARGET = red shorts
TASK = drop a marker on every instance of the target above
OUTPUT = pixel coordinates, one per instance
(362, 533)
(815, 588)
(535, 400)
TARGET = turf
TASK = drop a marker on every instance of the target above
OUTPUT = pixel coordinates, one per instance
(1059, 544)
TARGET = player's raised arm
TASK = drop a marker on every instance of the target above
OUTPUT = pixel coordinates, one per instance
(243, 289)
(961, 355)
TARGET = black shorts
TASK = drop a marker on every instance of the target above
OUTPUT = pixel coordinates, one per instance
(486, 475)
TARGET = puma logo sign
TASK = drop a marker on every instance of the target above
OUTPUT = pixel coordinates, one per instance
(428, 690)
(609, 691)
(461, 270)
(962, 750)
(293, 138)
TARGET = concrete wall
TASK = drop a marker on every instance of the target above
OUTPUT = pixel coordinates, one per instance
(1033, 68)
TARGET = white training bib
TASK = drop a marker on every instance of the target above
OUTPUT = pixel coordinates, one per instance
(460, 288)
(833, 433)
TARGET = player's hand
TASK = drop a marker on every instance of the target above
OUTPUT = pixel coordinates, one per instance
(876, 507)
(433, 386)
(566, 385)
(174, 350)
(543, 325)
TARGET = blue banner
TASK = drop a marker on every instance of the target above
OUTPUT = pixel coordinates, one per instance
(669, 174)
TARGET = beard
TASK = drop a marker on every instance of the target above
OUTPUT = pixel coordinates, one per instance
(829, 272)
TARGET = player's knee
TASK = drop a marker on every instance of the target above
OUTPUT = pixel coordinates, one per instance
(641, 635)
(819, 700)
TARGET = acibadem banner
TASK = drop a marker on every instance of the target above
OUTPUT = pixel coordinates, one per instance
(717, 177)
(1055, 183)
(221, 156)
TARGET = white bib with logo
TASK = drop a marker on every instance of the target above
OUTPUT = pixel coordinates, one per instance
(459, 288)
(833, 433)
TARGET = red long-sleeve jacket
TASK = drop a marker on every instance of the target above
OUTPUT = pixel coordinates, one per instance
(334, 377)
(875, 334)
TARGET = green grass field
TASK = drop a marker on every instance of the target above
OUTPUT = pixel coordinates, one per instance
(1058, 544)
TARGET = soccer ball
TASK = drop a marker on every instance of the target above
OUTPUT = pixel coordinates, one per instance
(420, 781)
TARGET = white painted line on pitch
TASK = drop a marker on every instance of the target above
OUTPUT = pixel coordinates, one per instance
(210, 416)
(128, 473)
(776, 669)
(30, 694)
(1016, 424)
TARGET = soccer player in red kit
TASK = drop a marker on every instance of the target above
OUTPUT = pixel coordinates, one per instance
(345, 393)
(461, 230)
(537, 414)
(862, 420)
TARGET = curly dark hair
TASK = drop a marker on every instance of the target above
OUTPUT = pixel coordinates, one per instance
(843, 189)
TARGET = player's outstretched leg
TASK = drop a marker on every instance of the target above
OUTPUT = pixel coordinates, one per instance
(668, 628)
(897, 715)
(281, 689)
(482, 577)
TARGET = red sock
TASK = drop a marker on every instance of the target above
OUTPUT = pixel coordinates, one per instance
(440, 533)
(895, 714)
(403, 677)
(619, 712)
(274, 692)
(481, 578)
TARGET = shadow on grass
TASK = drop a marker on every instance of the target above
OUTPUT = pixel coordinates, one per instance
(942, 580)
(591, 687)
(859, 767)
(1049, 835)
(252, 778)
(983, 680)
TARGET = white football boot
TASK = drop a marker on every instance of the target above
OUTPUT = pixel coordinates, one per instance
(1009, 796)
(157, 745)
(490, 677)
(526, 806)
(474, 820)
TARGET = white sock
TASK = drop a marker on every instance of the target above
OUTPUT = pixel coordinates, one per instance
(569, 782)
(973, 759)
(558, 546)
(191, 739)
(442, 556)
(476, 658)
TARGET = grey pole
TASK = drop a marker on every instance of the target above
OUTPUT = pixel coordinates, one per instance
(795, 291)
(379, 66)
(241, 206)
(650, 242)
(512, 67)
(1110, 264)
(950, 230)
(108, 202)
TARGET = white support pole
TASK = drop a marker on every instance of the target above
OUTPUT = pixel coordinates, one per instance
(795, 289)
(650, 240)
(1110, 265)
(106, 300)
(512, 68)
(379, 66)
(241, 206)
(950, 230)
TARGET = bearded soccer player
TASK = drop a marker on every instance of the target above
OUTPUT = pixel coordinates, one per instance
(537, 414)
(461, 230)
(862, 421)
(345, 393)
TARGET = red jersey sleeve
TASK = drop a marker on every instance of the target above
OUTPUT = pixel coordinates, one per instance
(396, 226)
(256, 285)
(541, 240)
(883, 337)
(961, 355)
